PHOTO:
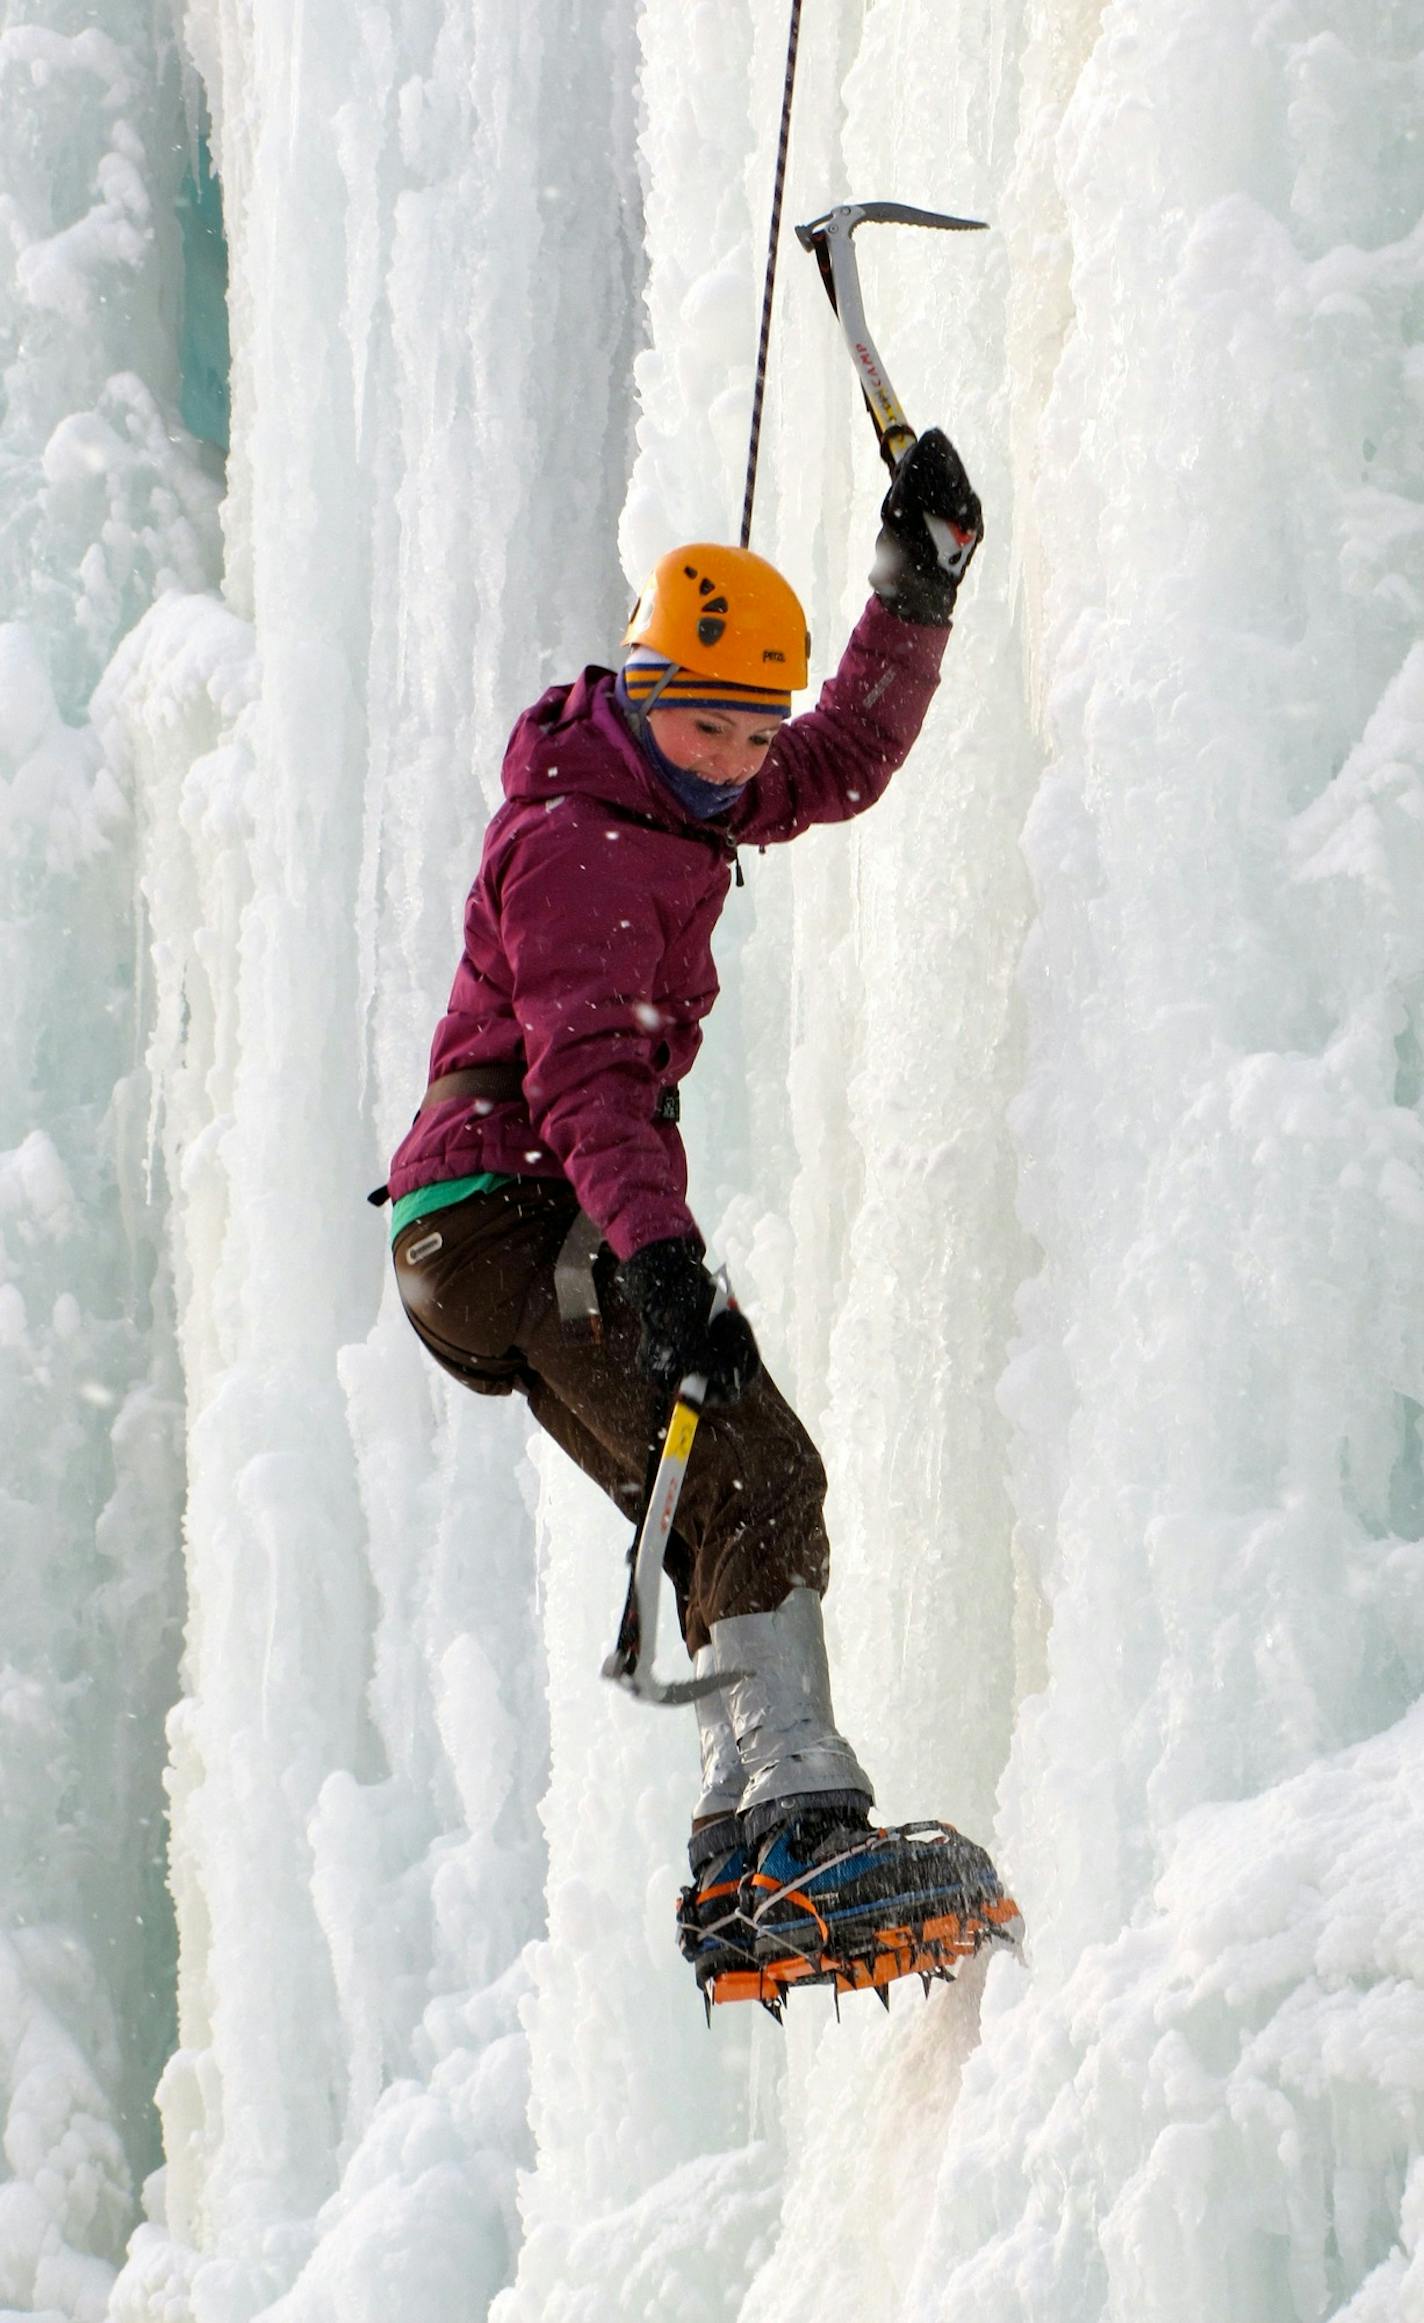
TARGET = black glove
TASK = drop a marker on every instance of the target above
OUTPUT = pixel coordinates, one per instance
(672, 1292)
(930, 525)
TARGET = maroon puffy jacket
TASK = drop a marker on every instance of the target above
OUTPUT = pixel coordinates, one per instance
(588, 932)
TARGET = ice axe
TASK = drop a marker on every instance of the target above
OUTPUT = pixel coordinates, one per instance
(630, 1664)
(832, 239)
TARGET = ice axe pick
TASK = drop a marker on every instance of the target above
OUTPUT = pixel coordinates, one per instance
(832, 239)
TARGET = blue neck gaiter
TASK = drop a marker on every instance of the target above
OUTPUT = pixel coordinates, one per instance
(702, 800)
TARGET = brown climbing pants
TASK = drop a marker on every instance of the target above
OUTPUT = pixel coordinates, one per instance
(477, 1282)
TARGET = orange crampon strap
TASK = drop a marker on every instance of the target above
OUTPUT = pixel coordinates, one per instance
(793, 1895)
(932, 1950)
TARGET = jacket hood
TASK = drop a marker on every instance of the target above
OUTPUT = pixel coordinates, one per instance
(574, 739)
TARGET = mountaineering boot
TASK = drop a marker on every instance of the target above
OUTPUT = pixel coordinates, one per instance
(829, 1887)
(824, 1895)
(713, 1933)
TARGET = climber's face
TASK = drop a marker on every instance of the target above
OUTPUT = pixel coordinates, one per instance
(721, 746)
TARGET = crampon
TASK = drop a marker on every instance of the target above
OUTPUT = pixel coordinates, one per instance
(847, 1939)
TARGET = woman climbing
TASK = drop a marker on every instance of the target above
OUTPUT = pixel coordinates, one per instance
(542, 1238)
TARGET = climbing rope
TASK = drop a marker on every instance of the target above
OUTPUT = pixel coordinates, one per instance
(772, 240)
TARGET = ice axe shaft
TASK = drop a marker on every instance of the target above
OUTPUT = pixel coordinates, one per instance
(831, 238)
(630, 1664)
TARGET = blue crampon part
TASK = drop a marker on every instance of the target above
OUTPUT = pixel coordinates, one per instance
(713, 1932)
(836, 1889)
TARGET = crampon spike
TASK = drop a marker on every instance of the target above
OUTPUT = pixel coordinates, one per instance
(931, 1950)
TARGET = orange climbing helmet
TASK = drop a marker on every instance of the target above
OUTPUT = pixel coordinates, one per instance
(724, 614)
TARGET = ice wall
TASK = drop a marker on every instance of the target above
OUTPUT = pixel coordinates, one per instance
(102, 504)
(1202, 2097)
(1060, 1122)
(1216, 1388)
(433, 303)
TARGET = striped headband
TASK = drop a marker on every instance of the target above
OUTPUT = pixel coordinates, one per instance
(652, 682)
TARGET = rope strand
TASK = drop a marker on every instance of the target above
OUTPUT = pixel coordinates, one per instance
(772, 241)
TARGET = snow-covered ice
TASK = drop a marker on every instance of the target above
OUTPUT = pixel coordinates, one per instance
(1061, 1123)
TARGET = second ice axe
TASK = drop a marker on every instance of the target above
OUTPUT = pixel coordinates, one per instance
(631, 1663)
(832, 239)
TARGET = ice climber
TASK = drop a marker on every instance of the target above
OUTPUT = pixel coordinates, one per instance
(542, 1238)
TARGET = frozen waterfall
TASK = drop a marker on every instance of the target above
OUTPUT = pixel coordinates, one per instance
(1062, 1124)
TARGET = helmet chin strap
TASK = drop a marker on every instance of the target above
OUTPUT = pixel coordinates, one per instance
(703, 800)
(650, 702)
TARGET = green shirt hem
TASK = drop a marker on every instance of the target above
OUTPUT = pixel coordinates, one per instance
(426, 1199)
